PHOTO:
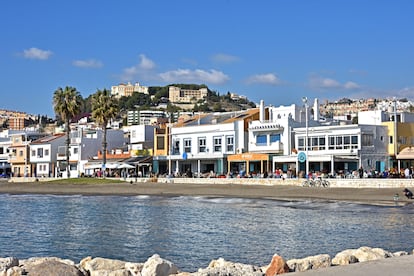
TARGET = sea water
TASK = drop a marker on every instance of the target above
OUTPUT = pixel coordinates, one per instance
(192, 231)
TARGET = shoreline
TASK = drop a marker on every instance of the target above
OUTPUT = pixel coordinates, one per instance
(373, 196)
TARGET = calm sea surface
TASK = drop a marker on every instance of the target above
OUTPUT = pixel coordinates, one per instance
(191, 231)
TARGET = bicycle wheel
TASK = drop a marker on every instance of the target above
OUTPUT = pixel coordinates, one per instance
(305, 183)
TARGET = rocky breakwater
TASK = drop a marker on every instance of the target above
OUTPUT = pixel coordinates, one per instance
(157, 266)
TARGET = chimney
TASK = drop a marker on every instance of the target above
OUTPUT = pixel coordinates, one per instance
(262, 111)
(316, 110)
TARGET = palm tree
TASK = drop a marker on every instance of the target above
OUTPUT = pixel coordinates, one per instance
(104, 108)
(67, 103)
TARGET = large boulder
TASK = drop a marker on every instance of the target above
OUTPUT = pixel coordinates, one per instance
(366, 253)
(102, 266)
(308, 263)
(345, 257)
(221, 267)
(156, 266)
(277, 266)
(52, 268)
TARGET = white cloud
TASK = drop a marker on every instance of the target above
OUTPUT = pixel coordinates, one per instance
(317, 82)
(90, 63)
(140, 70)
(224, 58)
(198, 75)
(351, 85)
(35, 53)
(146, 63)
(269, 78)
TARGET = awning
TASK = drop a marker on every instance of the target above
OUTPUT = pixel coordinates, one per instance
(406, 154)
(243, 157)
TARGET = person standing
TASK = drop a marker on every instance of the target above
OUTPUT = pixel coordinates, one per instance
(361, 172)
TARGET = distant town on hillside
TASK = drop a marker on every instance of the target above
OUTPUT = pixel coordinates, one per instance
(137, 101)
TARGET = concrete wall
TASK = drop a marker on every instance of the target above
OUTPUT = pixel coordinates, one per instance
(334, 183)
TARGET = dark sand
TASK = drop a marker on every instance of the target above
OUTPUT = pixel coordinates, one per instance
(382, 196)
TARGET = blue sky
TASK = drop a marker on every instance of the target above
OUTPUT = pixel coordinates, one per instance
(278, 51)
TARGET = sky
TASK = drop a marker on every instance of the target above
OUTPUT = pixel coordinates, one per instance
(272, 50)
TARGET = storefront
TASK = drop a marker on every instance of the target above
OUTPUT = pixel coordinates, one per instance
(248, 164)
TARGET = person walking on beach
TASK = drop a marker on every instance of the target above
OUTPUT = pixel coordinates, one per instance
(408, 193)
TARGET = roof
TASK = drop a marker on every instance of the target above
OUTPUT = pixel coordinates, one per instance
(217, 118)
(48, 139)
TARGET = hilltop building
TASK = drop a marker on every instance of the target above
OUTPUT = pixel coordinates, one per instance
(179, 95)
(126, 90)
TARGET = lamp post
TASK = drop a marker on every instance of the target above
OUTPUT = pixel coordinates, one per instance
(305, 101)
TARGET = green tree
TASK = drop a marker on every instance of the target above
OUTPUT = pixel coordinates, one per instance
(104, 108)
(67, 103)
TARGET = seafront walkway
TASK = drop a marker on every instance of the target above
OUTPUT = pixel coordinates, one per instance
(333, 182)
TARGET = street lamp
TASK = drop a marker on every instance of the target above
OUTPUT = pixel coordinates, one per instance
(305, 101)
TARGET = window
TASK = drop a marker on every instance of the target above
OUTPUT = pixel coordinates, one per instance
(367, 139)
(46, 152)
(261, 139)
(187, 145)
(176, 147)
(217, 144)
(40, 152)
(21, 153)
(347, 142)
(274, 138)
(322, 143)
(160, 142)
(230, 143)
(75, 151)
(301, 143)
(33, 153)
(202, 144)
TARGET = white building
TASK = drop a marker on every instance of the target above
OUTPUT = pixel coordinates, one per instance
(84, 146)
(126, 90)
(202, 143)
(43, 155)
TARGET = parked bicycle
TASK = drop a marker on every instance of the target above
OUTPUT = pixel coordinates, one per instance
(317, 182)
(310, 182)
(322, 182)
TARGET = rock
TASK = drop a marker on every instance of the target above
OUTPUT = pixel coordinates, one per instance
(277, 266)
(15, 271)
(156, 266)
(52, 268)
(366, 253)
(118, 272)
(400, 253)
(308, 263)
(6, 263)
(345, 257)
(39, 260)
(97, 266)
(221, 267)
(134, 268)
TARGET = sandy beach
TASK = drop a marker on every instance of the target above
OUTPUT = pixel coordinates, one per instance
(382, 196)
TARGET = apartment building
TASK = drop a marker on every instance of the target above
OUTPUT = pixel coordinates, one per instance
(126, 90)
(202, 143)
(19, 157)
(84, 146)
(144, 117)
